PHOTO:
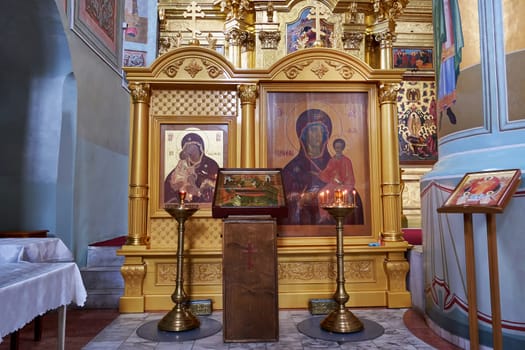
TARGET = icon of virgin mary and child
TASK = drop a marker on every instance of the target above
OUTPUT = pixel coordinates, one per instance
(314, 171)
(194, 174)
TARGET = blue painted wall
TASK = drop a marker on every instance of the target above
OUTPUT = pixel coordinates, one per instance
(64, 131)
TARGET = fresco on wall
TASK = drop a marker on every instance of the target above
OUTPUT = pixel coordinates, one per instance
(134, 58)
(97, 23)
(136, 17)
(417, 129)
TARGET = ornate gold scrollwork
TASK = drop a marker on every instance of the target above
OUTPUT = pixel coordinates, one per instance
(293, 71)
(133, 276)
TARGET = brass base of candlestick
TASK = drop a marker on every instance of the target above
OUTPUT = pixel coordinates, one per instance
(177, 320)
(341, 321)
(180, 318)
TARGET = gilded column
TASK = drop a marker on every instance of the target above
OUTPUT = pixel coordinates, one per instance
(386, 38)
(234, 38)
(138, 185)
(390, 178)
(248, 96)
(396, 265)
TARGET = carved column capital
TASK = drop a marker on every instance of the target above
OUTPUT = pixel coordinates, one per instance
(386, 37)
(140, 92)
(388, 92)
(234, 37)
(352, 40)
(269, 40)
(248, 93)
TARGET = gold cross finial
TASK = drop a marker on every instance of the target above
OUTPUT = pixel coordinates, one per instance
(194, 11)
(317, 13)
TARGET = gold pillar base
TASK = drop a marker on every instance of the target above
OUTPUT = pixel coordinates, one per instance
(178, 320)
(341, 321)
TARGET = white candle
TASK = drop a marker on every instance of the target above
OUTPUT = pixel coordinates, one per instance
(353, 197)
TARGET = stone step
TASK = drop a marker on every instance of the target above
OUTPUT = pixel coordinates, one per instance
(103, 256)
(102, 277)
(104, 286)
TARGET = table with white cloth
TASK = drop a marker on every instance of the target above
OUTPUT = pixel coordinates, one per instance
(31, 289)
(49, 249)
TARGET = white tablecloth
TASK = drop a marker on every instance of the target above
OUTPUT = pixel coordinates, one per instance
(34, 250)
(31, 289)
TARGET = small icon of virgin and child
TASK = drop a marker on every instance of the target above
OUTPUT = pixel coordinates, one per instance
(314, 171)
(195, 173)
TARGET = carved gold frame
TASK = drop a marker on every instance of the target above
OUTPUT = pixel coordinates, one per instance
(157, 151)
(370, 178)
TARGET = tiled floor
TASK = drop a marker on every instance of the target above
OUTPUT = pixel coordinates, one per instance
(121, 334)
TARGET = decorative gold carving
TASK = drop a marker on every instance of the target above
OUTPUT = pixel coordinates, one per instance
(212, 103)
(203, 233)
(397, 271)
(248, 93)
(343, 69)
(306, 271)
(193, 68)
(193, 273)
(235, 37)
(386, 38)
(388, 9)
(388, 93)
(269, 40)
(133, 276)
(358, 270)
(293, 71)
(139, 92)
(352, 41)
(213, 70)
(269, 12)
(236, 9)
(319, 69)
(173, 68)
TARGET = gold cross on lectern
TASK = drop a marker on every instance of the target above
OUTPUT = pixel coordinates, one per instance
(194, 11)
(317, 13)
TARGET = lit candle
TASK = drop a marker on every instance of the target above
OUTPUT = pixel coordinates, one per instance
(353, 197)
(321, 198)
(182, 196)
(338, 196)
(345, 196)
(327, 196)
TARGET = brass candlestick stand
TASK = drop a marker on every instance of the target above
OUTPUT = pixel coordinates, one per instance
(180, 318)
(341, 320)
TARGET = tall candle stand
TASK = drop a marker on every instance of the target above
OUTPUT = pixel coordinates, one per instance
(341, 320)
(180, 318)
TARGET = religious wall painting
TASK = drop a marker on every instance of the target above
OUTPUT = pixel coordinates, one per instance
(136, 18)
(303, 32)
(190, 153)
(134, 58)
(417, 127)
(321, 142)
(98, 24)
(413, 58)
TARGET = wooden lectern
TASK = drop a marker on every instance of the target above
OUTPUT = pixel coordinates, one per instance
(251, 311)
(485, 192)
(248, 200)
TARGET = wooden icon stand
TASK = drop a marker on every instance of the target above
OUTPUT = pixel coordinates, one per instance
(488, 193)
